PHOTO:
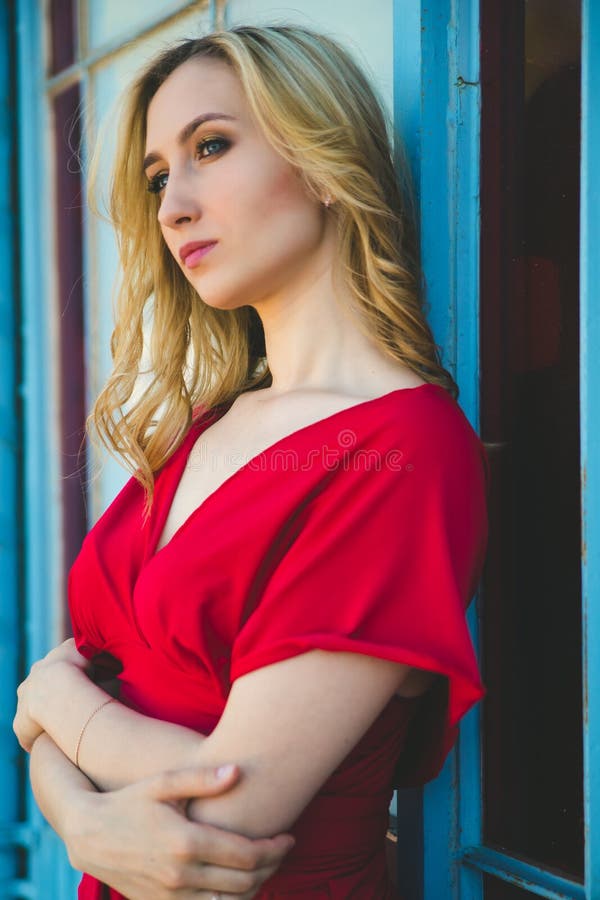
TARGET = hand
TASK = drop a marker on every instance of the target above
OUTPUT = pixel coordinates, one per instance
(138, 841)
(38, 686)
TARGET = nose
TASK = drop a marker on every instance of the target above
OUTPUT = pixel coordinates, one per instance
(178, 206)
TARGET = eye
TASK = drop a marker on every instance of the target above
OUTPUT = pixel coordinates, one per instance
(207, 142)
(158, 182)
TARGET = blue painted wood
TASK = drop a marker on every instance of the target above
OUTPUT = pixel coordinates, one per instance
(464, 123)
(590, 434)
(523, 875)
(436, 188)
(407, 80)
(49, 872)
(10, 782)
(438, 242)
(449, 237)
(464, 165)
(420, 119)
(437, 112)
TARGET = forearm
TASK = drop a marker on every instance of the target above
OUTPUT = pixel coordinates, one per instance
(118, 745)
(58, 786)
(288, 726)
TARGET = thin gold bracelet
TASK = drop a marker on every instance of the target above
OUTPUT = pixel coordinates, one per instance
(89, 719)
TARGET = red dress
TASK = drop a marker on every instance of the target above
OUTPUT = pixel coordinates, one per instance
(364, 531)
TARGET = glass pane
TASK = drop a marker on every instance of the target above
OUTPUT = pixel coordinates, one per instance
(530, 420)
(107, 19)
(63, 31)
(69, 270)
(495, 889)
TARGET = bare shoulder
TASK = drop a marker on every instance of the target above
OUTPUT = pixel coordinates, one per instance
(258, 419)
(313, 404)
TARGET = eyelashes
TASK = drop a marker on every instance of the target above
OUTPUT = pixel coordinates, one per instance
(157, 183)
(211, 140)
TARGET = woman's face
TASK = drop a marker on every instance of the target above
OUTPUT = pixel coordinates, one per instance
(220, 180)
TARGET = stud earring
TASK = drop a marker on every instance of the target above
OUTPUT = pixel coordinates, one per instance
(327, 201)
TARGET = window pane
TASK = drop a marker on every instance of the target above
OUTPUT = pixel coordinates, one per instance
(69, 268)
(107, 19)
(530, 419)
(495, 889)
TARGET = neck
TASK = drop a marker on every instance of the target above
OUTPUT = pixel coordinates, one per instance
(314, 343)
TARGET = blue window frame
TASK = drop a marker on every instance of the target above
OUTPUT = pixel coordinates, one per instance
(437, 100)
(590, 436)
(13, 835)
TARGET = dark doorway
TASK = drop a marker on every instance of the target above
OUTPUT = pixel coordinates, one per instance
(533, 756)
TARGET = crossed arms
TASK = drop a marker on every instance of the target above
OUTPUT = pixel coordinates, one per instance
(287, 726)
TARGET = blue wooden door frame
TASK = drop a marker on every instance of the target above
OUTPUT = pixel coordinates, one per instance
(13, 833)
(437, 111)
(49, 872)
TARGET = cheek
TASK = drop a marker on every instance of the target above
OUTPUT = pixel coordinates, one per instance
(276, 204)
(263, 183)
(285, 191)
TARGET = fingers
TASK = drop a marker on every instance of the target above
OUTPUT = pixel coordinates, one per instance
(215, 879)
(204, 857)
(267, 852)
(225, 849)
(26, 730)
(182, 784)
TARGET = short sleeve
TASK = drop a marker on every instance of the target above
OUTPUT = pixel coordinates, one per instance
(384, 561)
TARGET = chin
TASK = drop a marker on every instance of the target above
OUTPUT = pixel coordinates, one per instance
(227, 297)
(223, 303)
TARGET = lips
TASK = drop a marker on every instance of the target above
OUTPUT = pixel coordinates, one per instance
(191, 253)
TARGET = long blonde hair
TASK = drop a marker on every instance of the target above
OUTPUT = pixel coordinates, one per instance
(318, 110)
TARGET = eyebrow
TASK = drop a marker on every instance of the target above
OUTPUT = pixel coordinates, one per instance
(186, 133)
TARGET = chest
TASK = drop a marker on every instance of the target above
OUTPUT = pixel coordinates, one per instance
(235, 441)
(219, 453)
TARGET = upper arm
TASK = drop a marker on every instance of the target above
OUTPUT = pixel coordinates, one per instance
(288, 726)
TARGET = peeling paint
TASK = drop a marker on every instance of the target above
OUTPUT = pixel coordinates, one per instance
(462, 82)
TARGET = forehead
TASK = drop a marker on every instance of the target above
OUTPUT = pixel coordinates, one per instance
(195, 87)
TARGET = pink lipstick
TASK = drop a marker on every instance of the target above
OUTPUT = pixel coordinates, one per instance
(191, 254)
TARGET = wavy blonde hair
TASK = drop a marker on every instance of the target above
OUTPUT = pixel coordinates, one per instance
(317, 108)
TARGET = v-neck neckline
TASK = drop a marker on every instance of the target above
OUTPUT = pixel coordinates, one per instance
(158, 521)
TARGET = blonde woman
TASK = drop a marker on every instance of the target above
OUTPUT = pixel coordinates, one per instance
(283, 580)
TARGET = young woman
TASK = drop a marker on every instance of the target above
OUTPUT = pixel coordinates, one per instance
(283, 580)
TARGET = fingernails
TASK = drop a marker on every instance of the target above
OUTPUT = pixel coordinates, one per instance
(224, 772)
